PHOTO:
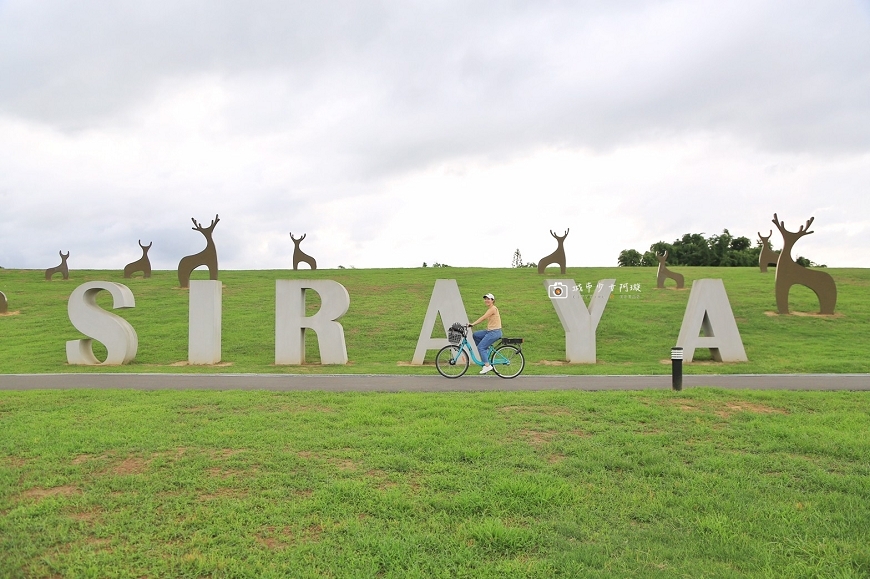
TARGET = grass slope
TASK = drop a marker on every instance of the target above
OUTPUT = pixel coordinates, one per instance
(388, 306)
(655, 484)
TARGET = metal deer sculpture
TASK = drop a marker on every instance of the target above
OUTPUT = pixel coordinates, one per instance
(62, 269)
(789, 273)
(206, 257)
(664, 273)
(142, 264)
(557, 257)
(300, 256)
(767, 256)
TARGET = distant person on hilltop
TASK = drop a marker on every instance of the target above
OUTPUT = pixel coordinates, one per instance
(486, 338)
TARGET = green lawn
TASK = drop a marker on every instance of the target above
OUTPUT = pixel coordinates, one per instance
(388, 307)
(702, 483)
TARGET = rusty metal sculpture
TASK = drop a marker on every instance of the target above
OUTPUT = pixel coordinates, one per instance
(767, 256)
(789, 273)
(557, 257)
(664, 273)
(206, 257)
(4, 305)
(62, 269)
(300, 256)
(142, 264)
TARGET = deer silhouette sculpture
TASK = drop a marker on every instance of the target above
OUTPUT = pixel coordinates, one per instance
(142, 264)
(664, 273)
(300, 256)
(4, 305)
(62, 269)
(557, 257)
(767, 256)
(789, 273)
(206, 257)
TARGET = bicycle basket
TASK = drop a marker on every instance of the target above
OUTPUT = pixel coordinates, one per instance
(455, 333)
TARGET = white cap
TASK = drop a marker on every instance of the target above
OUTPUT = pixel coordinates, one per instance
(490, 296)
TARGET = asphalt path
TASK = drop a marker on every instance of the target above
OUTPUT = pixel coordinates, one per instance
(416, 383)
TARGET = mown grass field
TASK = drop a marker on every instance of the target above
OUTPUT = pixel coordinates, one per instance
(388, 307)
(660, 484)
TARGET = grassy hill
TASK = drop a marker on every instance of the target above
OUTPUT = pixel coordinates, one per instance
(387, 308)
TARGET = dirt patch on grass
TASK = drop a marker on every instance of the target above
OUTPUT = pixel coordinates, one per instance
(723, 409)
(14, 461)
(537, 437)
(344, 463)
(734, 407)
(131, 465)
(15, 313)
(550, 363)
(805, 315)
(40, 493)
(274, 538)
(556, 458)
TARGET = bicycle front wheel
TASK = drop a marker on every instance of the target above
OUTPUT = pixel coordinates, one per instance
(508, 361)
(451, 361)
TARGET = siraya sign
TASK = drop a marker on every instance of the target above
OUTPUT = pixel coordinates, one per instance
(708, 313)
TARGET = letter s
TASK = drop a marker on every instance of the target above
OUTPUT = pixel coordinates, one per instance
(114, 332)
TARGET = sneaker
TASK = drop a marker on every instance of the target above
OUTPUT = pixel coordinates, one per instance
(485, 369)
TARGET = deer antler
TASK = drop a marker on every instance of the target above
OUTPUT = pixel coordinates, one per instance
(803, 230)
(202, 229)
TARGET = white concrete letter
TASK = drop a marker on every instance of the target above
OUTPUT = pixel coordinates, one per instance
(112, 331)
(204, 322)
(710, 312)
(291, 322)
(579, 322)
(446, 301)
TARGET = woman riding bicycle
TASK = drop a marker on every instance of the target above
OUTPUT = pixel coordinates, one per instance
(486, 338)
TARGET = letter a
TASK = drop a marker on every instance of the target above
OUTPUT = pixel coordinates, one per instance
(709, 311)
(579, 322)
(291, 321)
(446, 301)
(112, 331)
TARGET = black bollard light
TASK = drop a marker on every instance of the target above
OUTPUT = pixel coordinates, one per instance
(677, 368)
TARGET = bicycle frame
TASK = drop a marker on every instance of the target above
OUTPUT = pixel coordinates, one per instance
(465, 347)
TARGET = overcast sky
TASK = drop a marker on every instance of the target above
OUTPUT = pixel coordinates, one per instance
(394, 133)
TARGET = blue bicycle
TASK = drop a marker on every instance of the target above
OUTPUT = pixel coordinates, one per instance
(506, 356)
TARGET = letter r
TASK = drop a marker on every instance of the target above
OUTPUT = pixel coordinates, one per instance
(291, 321)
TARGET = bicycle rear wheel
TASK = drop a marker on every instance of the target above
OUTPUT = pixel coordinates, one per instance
(508, 361)
(451, 361)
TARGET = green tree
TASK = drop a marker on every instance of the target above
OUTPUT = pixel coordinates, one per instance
(695, 249)
(629, 258)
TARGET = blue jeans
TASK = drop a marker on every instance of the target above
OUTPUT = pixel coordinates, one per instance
(484, 339)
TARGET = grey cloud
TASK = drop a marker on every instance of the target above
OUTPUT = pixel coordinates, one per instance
(426, 81)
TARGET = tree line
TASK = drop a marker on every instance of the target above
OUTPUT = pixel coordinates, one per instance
(722, 250)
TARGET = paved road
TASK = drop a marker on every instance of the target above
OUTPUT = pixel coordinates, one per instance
(392, 383)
